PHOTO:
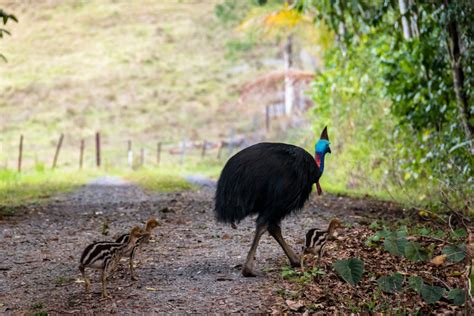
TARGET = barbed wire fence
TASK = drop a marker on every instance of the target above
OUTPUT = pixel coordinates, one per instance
(101, 150)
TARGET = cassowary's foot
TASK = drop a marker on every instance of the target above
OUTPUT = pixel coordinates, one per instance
(247, 272)
(296, 262)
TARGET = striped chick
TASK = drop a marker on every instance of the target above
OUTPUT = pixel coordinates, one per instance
(104, 256)
(149, 226)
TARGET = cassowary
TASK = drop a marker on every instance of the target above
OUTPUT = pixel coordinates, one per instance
(271, 180)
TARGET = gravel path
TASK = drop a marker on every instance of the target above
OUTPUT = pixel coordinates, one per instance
(191, 265)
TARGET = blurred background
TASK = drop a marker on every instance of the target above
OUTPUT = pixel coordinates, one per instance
(155, 91)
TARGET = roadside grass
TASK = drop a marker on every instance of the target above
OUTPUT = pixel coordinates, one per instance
(36, 186)
(171, 177)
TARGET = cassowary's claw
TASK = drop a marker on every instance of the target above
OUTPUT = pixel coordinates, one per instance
(247, 272)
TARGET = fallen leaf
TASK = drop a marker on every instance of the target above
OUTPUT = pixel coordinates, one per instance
(226, 236)
(151, 289)
(79, 281)
(294, 305)
(439, 260)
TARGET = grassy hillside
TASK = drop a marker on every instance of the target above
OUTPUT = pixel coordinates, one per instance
(145, 70)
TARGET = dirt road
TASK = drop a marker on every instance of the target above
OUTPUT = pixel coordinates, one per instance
(191, 265)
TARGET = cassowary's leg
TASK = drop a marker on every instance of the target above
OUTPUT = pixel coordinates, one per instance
(87, 283)
(247, 269)
(132, 271)
(275, 231)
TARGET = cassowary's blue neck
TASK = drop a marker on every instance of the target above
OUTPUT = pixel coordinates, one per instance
(320, 161)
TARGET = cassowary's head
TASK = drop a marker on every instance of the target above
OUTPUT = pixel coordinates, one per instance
(322, 146)
(321, 149)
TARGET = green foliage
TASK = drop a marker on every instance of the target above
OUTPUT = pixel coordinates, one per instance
(301, 277)
(459, 233)
(458, 296)
(432, 294)
(377, 82)
(5, 17)
(455, 253)
(231, 12)
(350, 270)
(395, 242)
(415, 283)
(391, 283)
(414, 252)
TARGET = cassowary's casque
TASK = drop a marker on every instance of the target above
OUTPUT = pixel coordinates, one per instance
(271, 180)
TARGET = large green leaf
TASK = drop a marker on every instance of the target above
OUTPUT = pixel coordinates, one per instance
(351, 270)
(455, 253)
(391, 283)
(414, 251)
(395, 243)
(416, 283)
(458, 296)
(432, 294)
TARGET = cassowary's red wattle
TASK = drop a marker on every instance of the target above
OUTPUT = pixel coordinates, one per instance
(271, 180)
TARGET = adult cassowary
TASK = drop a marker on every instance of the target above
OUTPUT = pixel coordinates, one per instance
(271, 180)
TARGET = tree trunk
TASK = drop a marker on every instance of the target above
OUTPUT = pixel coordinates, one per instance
(462, 98)
(405, 21)
(289, 88)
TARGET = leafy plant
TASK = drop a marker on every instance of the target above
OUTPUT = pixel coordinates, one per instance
(350, 270)
(414, 252)
(458, 296)
(415, 283)
(391, 283)
(395, 242)
(455, 253)
(432, 294)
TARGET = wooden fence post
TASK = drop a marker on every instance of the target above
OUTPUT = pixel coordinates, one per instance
(158, 153)
(129, 154)
(204, 145)
(20, 153)
(58, 148)
(97, 149)
(81, 154)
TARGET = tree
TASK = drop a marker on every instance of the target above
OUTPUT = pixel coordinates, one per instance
(5, 17)
(425, 24)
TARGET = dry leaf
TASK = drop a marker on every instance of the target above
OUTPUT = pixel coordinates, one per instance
(439, 260)
(151, 289)
(294, 305)
(226, 236)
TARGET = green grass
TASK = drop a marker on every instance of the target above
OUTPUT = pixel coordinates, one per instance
(36, 186)
(144, 70)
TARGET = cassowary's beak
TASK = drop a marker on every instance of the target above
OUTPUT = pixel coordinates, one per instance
(329, 150)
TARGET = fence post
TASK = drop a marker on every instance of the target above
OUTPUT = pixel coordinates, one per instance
(158, 153)
(129, 154)
(58, 148)
(204, 145)
(97, 149)
(81, 154)
(20, 153)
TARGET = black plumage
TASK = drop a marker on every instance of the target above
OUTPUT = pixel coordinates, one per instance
(268, 179)
(271, 180)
